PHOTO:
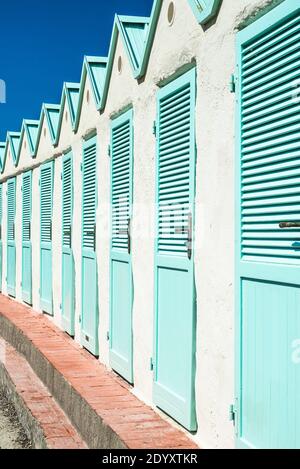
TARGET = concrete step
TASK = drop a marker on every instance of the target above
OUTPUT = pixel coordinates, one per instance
(99, 404)
(44, 422)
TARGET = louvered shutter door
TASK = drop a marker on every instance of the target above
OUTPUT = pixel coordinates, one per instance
(174, 171)
(46, 204)
(11, 247)
(121, 152)
(68, 272)
(89, 321)
(11, 209)
(268, 230)
(174, 352)
(26, 207)
(67, 201)
(46, 193)
(121, 284)
(89, 196)
(26, 238)
(271, 144)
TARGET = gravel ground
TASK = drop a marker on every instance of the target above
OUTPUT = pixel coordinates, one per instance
(12, 434)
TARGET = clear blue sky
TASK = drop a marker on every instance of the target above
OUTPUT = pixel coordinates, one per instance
(42, 44)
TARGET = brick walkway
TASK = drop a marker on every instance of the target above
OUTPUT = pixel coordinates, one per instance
(134, 423)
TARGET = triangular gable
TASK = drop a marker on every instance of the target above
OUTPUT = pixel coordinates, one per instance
(2, 153)
(14, 140)
(51, 113)
(204, 10)
(95, 69)
(134, 31)
(70, 94)
(12, 144)
(52, 116)
(30, 131)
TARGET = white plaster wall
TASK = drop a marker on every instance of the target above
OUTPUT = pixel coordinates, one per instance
(174, 48)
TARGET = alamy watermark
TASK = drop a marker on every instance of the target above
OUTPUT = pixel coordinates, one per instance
(2, 92)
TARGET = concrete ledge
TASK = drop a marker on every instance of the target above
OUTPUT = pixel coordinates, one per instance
(44, 422)
(99, 404)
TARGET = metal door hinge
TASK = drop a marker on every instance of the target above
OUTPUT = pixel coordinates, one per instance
(233, 413)
(232, 84)
(81, 166)
(151, 364)
(154, 128)
(107, 335)
(108, 150)
(61, 176)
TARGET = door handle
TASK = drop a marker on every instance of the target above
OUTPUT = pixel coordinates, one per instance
(29, 230)
(289, 224)
(129, 236)
(69, 233)
(92, 233)
(190, 236)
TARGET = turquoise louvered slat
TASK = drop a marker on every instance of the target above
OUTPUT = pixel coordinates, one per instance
(89, 196)
(174, 171)
(271, 144)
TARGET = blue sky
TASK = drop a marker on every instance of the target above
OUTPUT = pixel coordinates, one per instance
(42, 44)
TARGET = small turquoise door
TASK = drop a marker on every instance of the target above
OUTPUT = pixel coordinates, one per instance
(26, 238)
(175, 328)
(268, 231)
(68, 298)
(46, 184)
(1, 214)
(11, 244)
(89, 315)
(121, 288)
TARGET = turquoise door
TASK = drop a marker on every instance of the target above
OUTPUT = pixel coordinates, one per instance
(46, 184)
(121, 288)
(1, 214)
(89, 315)
(268, 231)
(174, 353)
(68, 297)
(11, 244)
(26, 239)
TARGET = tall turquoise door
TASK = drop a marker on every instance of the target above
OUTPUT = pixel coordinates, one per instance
(1, 215)
(121, 288)
(175, 328)
(26, 238)
(268, 231)
(46, 193)
(11, 244)
(68, 292)
(89, 310)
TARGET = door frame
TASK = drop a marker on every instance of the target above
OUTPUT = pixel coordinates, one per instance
(68, 325)
(92, 346)
(173, 85)
(27, 298)
(44, 305)
(278, 14)
(11, 290)
(119, 120)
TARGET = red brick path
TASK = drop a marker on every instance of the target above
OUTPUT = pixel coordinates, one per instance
(136, 424)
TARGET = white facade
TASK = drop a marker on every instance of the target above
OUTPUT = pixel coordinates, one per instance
(175, 47)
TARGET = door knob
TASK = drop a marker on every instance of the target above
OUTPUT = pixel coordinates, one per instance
(289, 224)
